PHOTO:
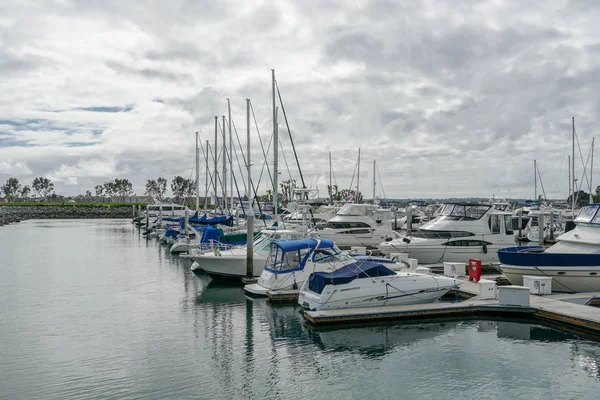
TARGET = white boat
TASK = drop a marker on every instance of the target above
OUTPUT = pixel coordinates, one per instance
(305, 215)
(359, 225)
(368, 284)
(573, 262)
(231, 263)
(290, 262)
(461, 232)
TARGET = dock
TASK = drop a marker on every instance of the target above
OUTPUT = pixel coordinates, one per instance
(559, 309)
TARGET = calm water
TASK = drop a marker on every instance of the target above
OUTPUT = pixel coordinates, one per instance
(91, 309)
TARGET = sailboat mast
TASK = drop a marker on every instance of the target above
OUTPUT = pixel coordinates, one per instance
(224, 167)
(358, 177)
(206, 177)
(592, 170)
(250, 211)
(573, 171)
(330, 187)
(570, 181)
(230, 156)
(374, 182)
(275, 149)
(216, 178)
(197, 173)
(535, 180)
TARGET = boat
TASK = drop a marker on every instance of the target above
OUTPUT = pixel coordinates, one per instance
(290, 262)
(369, 284)
(230, 263)
(359, 225)
(460, 232)
(573, 262)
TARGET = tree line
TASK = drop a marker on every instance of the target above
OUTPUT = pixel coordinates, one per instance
(118, 189)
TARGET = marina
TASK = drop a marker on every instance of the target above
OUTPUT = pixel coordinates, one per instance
(125, 318)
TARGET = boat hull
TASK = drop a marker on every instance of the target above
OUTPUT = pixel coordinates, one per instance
(228, 267)
(435, 254)
(564, 279)
(404, 290)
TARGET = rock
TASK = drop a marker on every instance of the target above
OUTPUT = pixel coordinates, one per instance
(11, 214)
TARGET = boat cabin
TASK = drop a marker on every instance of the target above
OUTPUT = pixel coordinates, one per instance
(287, 256)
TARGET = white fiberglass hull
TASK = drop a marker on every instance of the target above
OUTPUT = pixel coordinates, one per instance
(430, 253)
(229, 264)
(564, 279)
(350, 239)
(400, 289)
(268, 281)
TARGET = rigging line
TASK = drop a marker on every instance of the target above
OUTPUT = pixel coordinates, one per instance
(353, 174)
(380, 181)
(214, 182)
(262, 148)
(541, 184)
(229, 158)
(285, 160)
(237, 159)
(290, 135)
(208, 173)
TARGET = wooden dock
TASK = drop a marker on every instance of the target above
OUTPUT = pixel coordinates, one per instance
(283, 296)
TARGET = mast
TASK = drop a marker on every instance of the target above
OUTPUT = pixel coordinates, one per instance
(573, 171)
(197, 173)
(330, 187)
(250, 211)
(275, 149)
(224, 168)
(374, 183)
(206, 177)
(535, 180)
(570, 181)
(216, 162)
(592, 170)
(230, 156)
(358, 178)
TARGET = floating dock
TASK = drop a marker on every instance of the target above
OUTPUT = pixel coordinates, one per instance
(570, 310)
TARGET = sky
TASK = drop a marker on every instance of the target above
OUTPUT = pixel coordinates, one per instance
(452, 99)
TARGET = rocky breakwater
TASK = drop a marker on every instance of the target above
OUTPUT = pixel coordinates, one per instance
(10, 214)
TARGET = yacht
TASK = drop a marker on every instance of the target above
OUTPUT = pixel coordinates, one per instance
(359, 225)
(291, 261)
(230, 263)
(369, 284)
(573, 262)
(307, 216)
(460, 232)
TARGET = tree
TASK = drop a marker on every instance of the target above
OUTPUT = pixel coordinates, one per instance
(582, 198)
(110, 189)
(287, 188)
(350, 196)
(88, 194)
(43, 186)
(334, 195)
(11, 189)
(99, 191)
(182, 187)
(152, 188)
(25, 192)
(161, 188)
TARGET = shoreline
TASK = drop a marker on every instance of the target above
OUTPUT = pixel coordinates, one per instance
(13, 214)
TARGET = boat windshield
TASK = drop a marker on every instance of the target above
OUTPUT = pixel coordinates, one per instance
(426, 234)
(587, 214)
(464, 211)
(329, 255)
(357, 210)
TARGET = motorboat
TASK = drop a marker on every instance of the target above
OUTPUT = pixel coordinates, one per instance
(230, 263)
(304, 214)
(369, 284)
(290, 262)
(460, 232)
(573, 262)
(359, 225)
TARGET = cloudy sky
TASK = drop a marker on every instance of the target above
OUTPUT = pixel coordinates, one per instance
(451, 98)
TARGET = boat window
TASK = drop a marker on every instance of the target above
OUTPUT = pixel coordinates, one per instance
(356, 232)
(462, 211)
(356, 210)
(586, 214)
(329, 255)
(346, 225)
(495, 223)
(508, 224)
(286, 261)
(427, 234)
(471, 243)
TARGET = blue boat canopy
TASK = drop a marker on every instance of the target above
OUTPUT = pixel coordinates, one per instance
(535, 256)
(298, 244)
(318, 280)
